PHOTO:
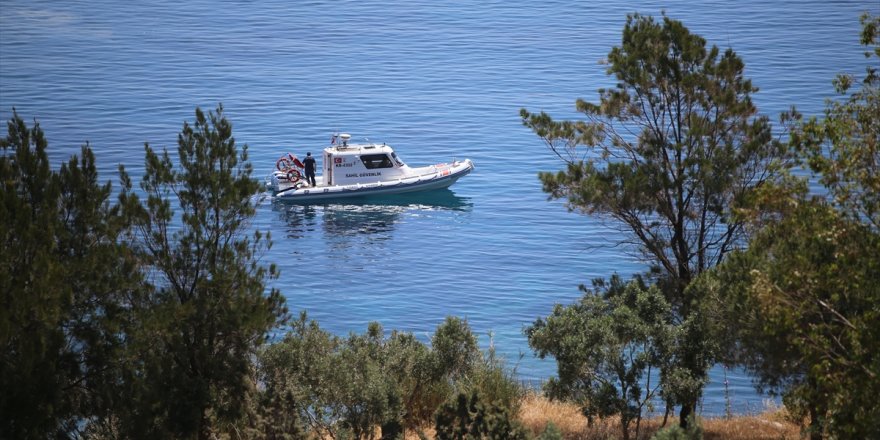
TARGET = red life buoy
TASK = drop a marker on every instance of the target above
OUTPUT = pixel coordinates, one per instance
(293, 176)
(283, 164)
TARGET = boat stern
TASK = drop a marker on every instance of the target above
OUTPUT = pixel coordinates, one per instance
(279, 181)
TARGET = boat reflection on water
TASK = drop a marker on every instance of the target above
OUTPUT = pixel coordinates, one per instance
(374, 216)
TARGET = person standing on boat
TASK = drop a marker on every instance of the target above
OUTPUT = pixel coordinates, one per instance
(309, 165)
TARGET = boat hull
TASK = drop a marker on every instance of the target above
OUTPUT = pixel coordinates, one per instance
(437, 180)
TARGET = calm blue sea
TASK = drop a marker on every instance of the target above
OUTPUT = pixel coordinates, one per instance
(437, 80)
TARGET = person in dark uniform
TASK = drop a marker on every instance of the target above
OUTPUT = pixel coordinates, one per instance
(309, 165)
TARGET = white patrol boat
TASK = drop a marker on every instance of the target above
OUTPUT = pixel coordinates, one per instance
(353, 170)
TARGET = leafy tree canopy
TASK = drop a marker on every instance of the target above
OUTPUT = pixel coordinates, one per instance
(65, 276)
(339, 386)
(668, 156)
(605, 347)
(844, 146)
(802, 300)
(208, 309)
(668, 153)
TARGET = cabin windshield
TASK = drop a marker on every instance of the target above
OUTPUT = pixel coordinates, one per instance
(373, 161)
(397, 159)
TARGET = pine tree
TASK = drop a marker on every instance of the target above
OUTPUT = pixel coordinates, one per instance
(668, 156)
(208, 310)
(65, 277)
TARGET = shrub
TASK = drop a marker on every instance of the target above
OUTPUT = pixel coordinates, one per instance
(348, 386)
(468, 417)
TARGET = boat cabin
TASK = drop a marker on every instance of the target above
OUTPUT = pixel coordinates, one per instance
(346, 163)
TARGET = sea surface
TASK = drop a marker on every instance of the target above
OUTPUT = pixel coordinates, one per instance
(435, 79)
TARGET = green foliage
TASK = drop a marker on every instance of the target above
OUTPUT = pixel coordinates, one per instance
(207, 312)
(34, 370)
(695, 343)
(65, 277)
(669, 156)
(269, 418)
(693, 431)
(805, 298)
(467, 417)
(495, 382)
(299, 372)
(802, 300)
(413, 366)
(455, 348)
(605, 347)
(844, 147)
(699, 148)
(349, 386)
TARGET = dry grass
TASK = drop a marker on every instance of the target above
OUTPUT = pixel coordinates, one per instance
(537, 412)
(762, 426)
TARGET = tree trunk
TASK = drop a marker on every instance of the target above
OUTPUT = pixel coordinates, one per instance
(686, 410)
(638, 423)
(392, 430)
(815, 428)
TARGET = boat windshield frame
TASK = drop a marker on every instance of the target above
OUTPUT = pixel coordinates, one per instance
(375, 161)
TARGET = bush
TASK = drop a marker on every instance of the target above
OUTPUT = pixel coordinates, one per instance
(694, 431)
(469, 417)
(348, 386)
(495, 383)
